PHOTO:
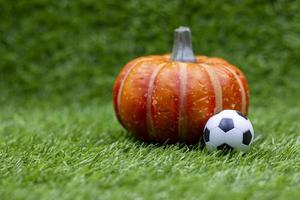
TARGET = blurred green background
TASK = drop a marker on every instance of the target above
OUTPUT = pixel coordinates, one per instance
(62, 51)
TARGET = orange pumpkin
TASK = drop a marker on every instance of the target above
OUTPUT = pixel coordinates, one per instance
(170, 98)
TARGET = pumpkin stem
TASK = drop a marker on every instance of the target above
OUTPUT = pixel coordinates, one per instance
(182, 46)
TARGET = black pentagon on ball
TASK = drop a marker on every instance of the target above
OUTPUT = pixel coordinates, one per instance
(240, 114)
(226, 124)
(206, 135)
(225, 148)
(247, 137)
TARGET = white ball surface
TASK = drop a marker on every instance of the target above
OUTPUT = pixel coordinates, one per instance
(228, 130)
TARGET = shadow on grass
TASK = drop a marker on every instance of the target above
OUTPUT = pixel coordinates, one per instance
(199, 146)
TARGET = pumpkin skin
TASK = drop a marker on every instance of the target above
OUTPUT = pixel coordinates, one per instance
(157, 99)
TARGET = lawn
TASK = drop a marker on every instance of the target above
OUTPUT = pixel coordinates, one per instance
(59, 138)
(80, 152)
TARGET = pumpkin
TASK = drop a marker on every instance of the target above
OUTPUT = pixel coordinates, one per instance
(169, 98)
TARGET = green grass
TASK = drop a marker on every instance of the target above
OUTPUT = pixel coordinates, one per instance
(77, 152)
(59, 138)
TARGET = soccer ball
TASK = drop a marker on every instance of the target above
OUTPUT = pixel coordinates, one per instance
(228, 130)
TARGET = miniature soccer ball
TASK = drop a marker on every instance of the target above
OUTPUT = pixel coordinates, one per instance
(228, 130)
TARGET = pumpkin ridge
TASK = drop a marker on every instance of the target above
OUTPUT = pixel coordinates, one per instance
(122, 82)
(182, 101)
(242, 89)
(149, 120)
(216, 86)
(117, 87)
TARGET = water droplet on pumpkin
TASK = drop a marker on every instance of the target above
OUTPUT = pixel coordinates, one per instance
(154, 102)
